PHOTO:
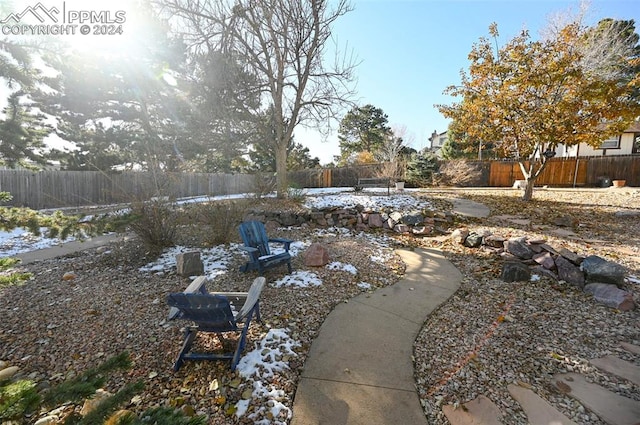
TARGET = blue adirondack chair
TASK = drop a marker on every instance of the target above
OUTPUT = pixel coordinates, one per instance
(211, 312)
(256, 244)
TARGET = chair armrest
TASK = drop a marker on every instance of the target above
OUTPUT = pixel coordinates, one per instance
(248, 249)
(285, 242)
(254, 253)
(242, 295)
(253, 299)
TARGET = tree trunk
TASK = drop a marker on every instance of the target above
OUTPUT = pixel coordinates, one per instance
(531, 175)
(281, 170)
(528, 191)
(529, 178)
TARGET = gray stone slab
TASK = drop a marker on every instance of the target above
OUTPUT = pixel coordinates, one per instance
(364, 345)
(521, 221)
(630, 347)
(468, 208)
(539, 411)
(610, 407)
(320, 402)
(479, 411)
(618, 367)
(565, 233)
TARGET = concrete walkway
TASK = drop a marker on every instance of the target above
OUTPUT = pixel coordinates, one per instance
(360, 369)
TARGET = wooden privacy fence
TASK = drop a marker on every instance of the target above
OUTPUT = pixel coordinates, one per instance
(333, 177)
(567, 172)
(559, 172)
(58, 189)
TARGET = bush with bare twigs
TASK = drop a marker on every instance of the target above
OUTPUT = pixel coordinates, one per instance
(263, 184)
(221, 218)
(155, 223)
(457, 172)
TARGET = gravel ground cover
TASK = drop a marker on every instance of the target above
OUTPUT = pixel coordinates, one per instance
(488, 335)
(53, 329)
(491, 333)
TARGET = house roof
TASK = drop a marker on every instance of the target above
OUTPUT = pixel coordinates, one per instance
(633, 128)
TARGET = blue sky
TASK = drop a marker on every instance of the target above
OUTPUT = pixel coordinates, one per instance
(411, 50)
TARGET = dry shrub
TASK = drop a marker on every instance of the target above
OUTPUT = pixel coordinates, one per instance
(155, 222)
(457, 172)
(221, 218)
(393, 170)
(263, 184)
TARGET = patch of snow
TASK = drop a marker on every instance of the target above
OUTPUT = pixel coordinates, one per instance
(337, 265)
(350, 200)
(364, 285)
(241, 407)
(297, 246)
(262, 363)
(21, 240)
(300, 279)
(332, 232)
(380, 257)
(215, 259)
(279, 411)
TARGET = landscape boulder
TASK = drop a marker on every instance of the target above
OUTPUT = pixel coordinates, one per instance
(375, 221)
(189, 264)
(459, 235)
(569, 272)
(401, 228)
(494, 241)
(422, 230)
(414, 218)
(565, 221)
(519, 248)
(571, 256)
(597, 269)
(513, 271)
(474, 240)
(8, 372)
(316, 255)
(611, 296)
(545, 260)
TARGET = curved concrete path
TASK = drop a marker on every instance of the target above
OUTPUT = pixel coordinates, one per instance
(360, 369)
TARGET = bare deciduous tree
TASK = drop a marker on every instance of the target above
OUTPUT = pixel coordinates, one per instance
(603, 47)
(392, 154)
(284, 44)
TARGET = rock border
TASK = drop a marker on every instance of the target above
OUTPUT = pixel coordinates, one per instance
(525, 258)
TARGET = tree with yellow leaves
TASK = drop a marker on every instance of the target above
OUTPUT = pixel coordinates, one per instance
(529, 97)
